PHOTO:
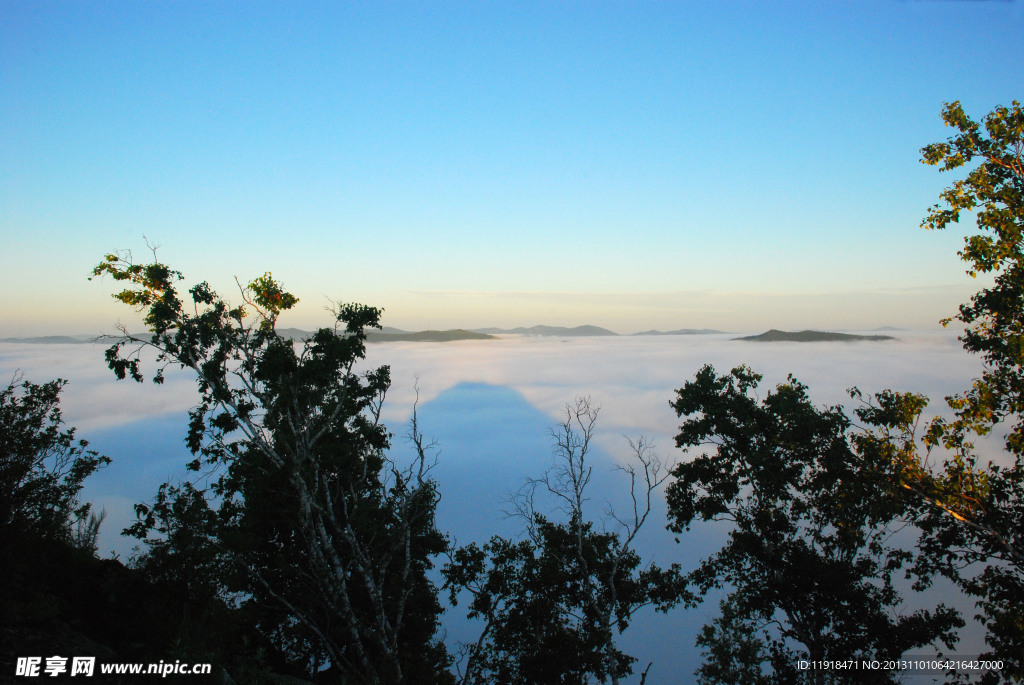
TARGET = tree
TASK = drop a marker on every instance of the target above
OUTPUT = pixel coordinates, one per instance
(47, 535)
(807, 565)
(966, 513)
(327, 540)
(972, 515)
(553, 603)
(735, 652)
(42, 466)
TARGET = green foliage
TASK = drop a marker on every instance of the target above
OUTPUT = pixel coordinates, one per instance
(200, 618)
(42, 470)
(735, 653)
(552, 604)
(969, 515)
(807, 565)
(323, 539)
(42, 466)
(993, 191)
(548, 610)
(972, 515)
(268, 295)
(540, 628)
(56, 595)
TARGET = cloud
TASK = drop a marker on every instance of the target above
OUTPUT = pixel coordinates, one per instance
(631, 378)
(94, 399)
(490, 404)
(634, 378)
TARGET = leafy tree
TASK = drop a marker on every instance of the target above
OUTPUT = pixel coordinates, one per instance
(735, 652)
(325, 539)
(972, 515)
(48, 570)
(42, 466)
(553, 603)
(993, 191)
(807, 564)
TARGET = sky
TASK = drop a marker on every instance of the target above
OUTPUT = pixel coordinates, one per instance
(635, 165)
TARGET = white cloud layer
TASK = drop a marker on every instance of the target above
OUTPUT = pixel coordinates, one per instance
(490, 403)
(634, 378)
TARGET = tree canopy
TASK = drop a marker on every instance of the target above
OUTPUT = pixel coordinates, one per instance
(972, 514)
(553, 603)
(992, 192)
(42, 465)
(807, 566)
(327, 539)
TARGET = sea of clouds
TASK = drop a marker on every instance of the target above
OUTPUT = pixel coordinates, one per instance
(490, 406)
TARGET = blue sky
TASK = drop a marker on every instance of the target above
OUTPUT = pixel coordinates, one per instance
(634, 164)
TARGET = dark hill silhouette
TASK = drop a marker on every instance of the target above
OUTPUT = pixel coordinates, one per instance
(775, 335)
(427, 336)
(682, 331)
(577, 331)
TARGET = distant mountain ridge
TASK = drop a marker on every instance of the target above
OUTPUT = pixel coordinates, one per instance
(300, 334)
(775, 335)
(53, 339)
(682, 331)
(427, 336)
(577, 331)
(390, 334)
(387, 334)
